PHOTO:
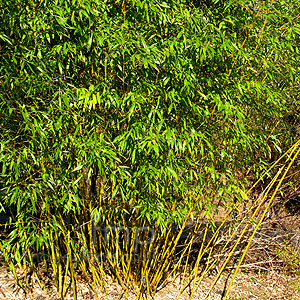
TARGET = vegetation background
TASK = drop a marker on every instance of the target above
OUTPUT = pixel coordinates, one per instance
(141, 112)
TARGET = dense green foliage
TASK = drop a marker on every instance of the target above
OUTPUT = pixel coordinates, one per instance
(154, 102)
(154, 105)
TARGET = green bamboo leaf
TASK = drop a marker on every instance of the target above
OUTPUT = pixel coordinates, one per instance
(78, 168)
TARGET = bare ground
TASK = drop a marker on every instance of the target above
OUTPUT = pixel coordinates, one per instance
(250, 285)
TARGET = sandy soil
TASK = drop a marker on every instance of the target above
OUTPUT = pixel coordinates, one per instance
(249, 285)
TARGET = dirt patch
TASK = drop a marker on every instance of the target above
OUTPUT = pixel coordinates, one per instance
(247, 285)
